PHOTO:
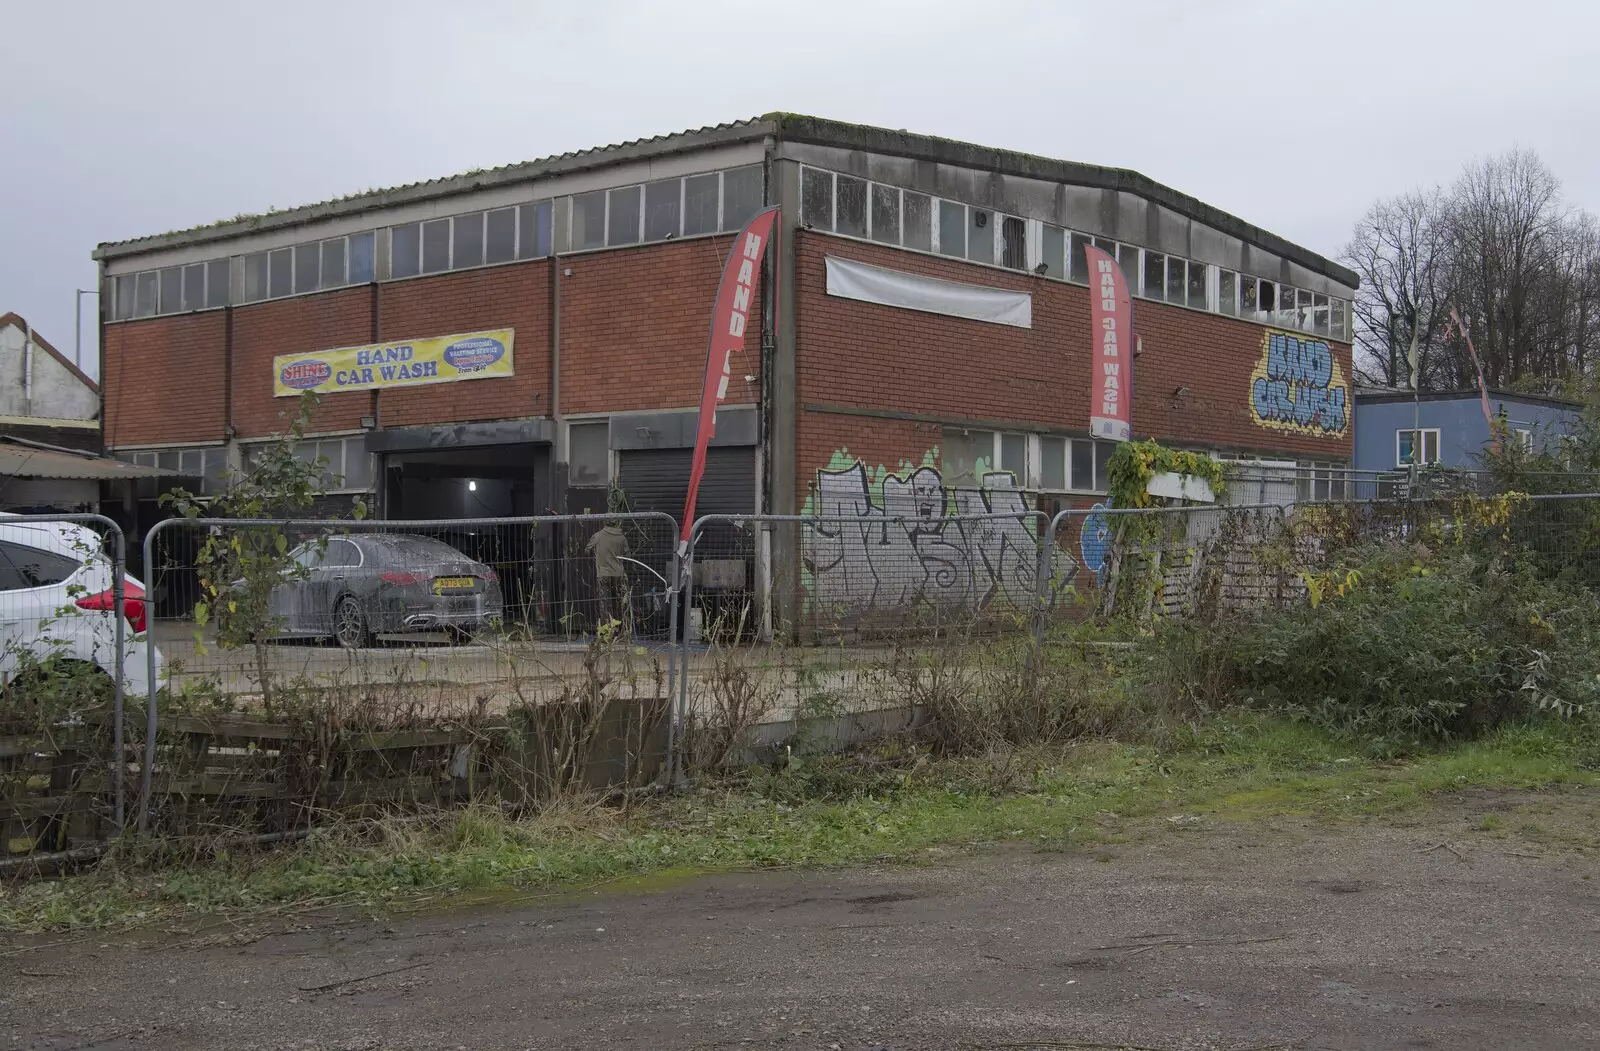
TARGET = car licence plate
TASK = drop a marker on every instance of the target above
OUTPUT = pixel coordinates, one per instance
(453, 583)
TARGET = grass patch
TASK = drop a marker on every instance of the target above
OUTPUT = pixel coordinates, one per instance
(897, 804)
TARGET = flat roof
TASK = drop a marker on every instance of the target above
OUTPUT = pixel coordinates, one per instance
(1386, 395)
(783, 127)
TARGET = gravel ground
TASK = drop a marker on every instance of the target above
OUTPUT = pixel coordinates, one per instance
(1442, 930)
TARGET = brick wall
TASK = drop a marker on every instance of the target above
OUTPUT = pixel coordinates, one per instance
(634, 325)
(864, 355)
(262, 331)
(516, 297)
(163, 380)
(633, 337)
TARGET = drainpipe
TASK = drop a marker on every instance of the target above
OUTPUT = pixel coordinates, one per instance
(555, 347)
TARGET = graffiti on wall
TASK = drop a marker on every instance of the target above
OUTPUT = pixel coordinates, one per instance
(1094, 537)
(891, 540)
(1298, 386)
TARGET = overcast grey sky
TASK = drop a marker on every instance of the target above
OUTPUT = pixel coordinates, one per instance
(119, 120)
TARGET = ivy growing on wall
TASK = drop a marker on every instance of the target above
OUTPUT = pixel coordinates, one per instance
(1135, 463)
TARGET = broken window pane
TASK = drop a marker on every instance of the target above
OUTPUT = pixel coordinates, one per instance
(1013, 243)
(307, 267)
(500, 236)
(1302, 314)
(1336, 328)
(700, 204)
(952, 228)
(589, 220)
(171, 290)
(194, 286)
(622, 227)
(885, 214)
(661, 209)
(1197, 285)
(1249, 305)
(280, 272)
(333, 263)
(1319, 314)
(405, 250)
(1052, 251)
(918, 232)
(533, 230)
(468, 248)
(816, 198)
(742, 194)
(852, 215)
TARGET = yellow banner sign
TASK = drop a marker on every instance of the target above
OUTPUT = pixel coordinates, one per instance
(402, 363)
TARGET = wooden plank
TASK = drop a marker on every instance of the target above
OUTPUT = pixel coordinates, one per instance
(233, 726)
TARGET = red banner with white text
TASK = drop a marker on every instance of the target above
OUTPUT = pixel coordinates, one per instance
(1111, 310)
(735, 301)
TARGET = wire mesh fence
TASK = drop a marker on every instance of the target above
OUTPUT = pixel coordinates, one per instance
(287, 666)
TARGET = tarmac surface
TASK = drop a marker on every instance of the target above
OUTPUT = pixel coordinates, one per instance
(1439, 930)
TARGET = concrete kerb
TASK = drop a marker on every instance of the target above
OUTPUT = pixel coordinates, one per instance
(119, 574)
(330, 526)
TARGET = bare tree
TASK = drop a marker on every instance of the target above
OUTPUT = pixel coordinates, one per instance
(1400, 250)
(1521, 267)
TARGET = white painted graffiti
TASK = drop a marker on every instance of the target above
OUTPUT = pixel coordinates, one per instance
(914, 546)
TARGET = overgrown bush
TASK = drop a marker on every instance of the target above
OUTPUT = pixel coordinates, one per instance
(1406, 647)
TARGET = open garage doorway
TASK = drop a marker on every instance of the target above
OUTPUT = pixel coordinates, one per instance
(485, 481)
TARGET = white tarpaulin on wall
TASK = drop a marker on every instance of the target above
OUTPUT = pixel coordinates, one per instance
(849, 279)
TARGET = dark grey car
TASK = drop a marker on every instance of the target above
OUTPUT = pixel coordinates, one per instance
(362, 585)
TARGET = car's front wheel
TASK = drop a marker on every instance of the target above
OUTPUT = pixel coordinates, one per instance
(350, 624)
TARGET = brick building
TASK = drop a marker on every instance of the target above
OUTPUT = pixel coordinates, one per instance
(599, 269)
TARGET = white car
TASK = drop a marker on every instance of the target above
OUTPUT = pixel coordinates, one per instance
(56, 602)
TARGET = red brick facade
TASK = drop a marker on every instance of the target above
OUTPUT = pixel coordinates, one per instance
(867, 356)
(633, 337)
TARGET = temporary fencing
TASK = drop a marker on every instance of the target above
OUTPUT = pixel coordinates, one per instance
(70, 618)
(287, 665)
(382, 626)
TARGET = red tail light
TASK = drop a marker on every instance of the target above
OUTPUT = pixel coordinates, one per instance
(133, 606)
(402, 579)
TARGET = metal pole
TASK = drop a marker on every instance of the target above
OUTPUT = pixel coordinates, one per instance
(149, 760)
(77, 321)
(674, 668)
(119, 573)
(687, 581)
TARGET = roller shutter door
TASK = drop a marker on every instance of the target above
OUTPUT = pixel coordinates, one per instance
(658, 480)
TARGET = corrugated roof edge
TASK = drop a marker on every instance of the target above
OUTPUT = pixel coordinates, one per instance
(1385, 395)
(578, 160)
(793, 127)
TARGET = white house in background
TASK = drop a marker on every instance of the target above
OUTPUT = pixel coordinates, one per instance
(49, 428)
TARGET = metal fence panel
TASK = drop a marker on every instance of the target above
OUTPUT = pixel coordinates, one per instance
(70, 622)
(438, 615)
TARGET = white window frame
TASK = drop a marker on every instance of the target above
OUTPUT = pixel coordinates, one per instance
(1423, 432)
(1524, 436)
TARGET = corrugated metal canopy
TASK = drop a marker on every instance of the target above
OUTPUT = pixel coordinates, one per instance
(30, 461)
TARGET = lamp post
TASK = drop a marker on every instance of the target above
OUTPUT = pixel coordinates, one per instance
(77, 321)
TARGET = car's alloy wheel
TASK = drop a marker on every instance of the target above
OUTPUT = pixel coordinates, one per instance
(349, 626)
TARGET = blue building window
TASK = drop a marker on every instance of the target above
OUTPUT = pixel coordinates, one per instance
(1407, 443)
